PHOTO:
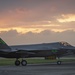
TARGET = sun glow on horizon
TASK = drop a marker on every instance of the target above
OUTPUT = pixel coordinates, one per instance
(34, 30)
(56, 25)
(22, 30)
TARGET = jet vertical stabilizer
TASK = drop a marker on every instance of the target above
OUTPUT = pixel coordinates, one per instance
(3, 45)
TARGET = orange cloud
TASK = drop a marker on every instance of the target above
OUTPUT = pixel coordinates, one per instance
(67, 18)
(24, 20)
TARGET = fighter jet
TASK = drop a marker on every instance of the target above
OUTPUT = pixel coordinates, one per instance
(47, 50)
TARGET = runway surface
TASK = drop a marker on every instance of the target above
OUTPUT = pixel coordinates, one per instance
(39, 69)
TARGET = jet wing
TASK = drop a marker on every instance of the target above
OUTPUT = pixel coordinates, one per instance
(25, 52)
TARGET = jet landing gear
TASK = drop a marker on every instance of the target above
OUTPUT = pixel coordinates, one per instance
(58, 62)
(17, 62)
(23, 62)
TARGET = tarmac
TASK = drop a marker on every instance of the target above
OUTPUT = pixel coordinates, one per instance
(39, 69)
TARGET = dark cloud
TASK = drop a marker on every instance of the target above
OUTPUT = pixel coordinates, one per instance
(10, 33)
(12, 37)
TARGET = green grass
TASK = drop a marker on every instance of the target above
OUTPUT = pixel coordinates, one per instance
(4, 61)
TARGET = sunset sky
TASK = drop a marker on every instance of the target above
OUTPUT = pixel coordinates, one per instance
(37, 21)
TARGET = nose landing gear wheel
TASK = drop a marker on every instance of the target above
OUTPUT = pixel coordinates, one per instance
(17, 62)
(23, 62)
(58, 62)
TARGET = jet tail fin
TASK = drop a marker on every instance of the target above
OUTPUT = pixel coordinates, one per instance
(3, 45)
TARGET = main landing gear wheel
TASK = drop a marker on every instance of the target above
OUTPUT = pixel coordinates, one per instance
(17, 62)
(58, 62)
(23, 62)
